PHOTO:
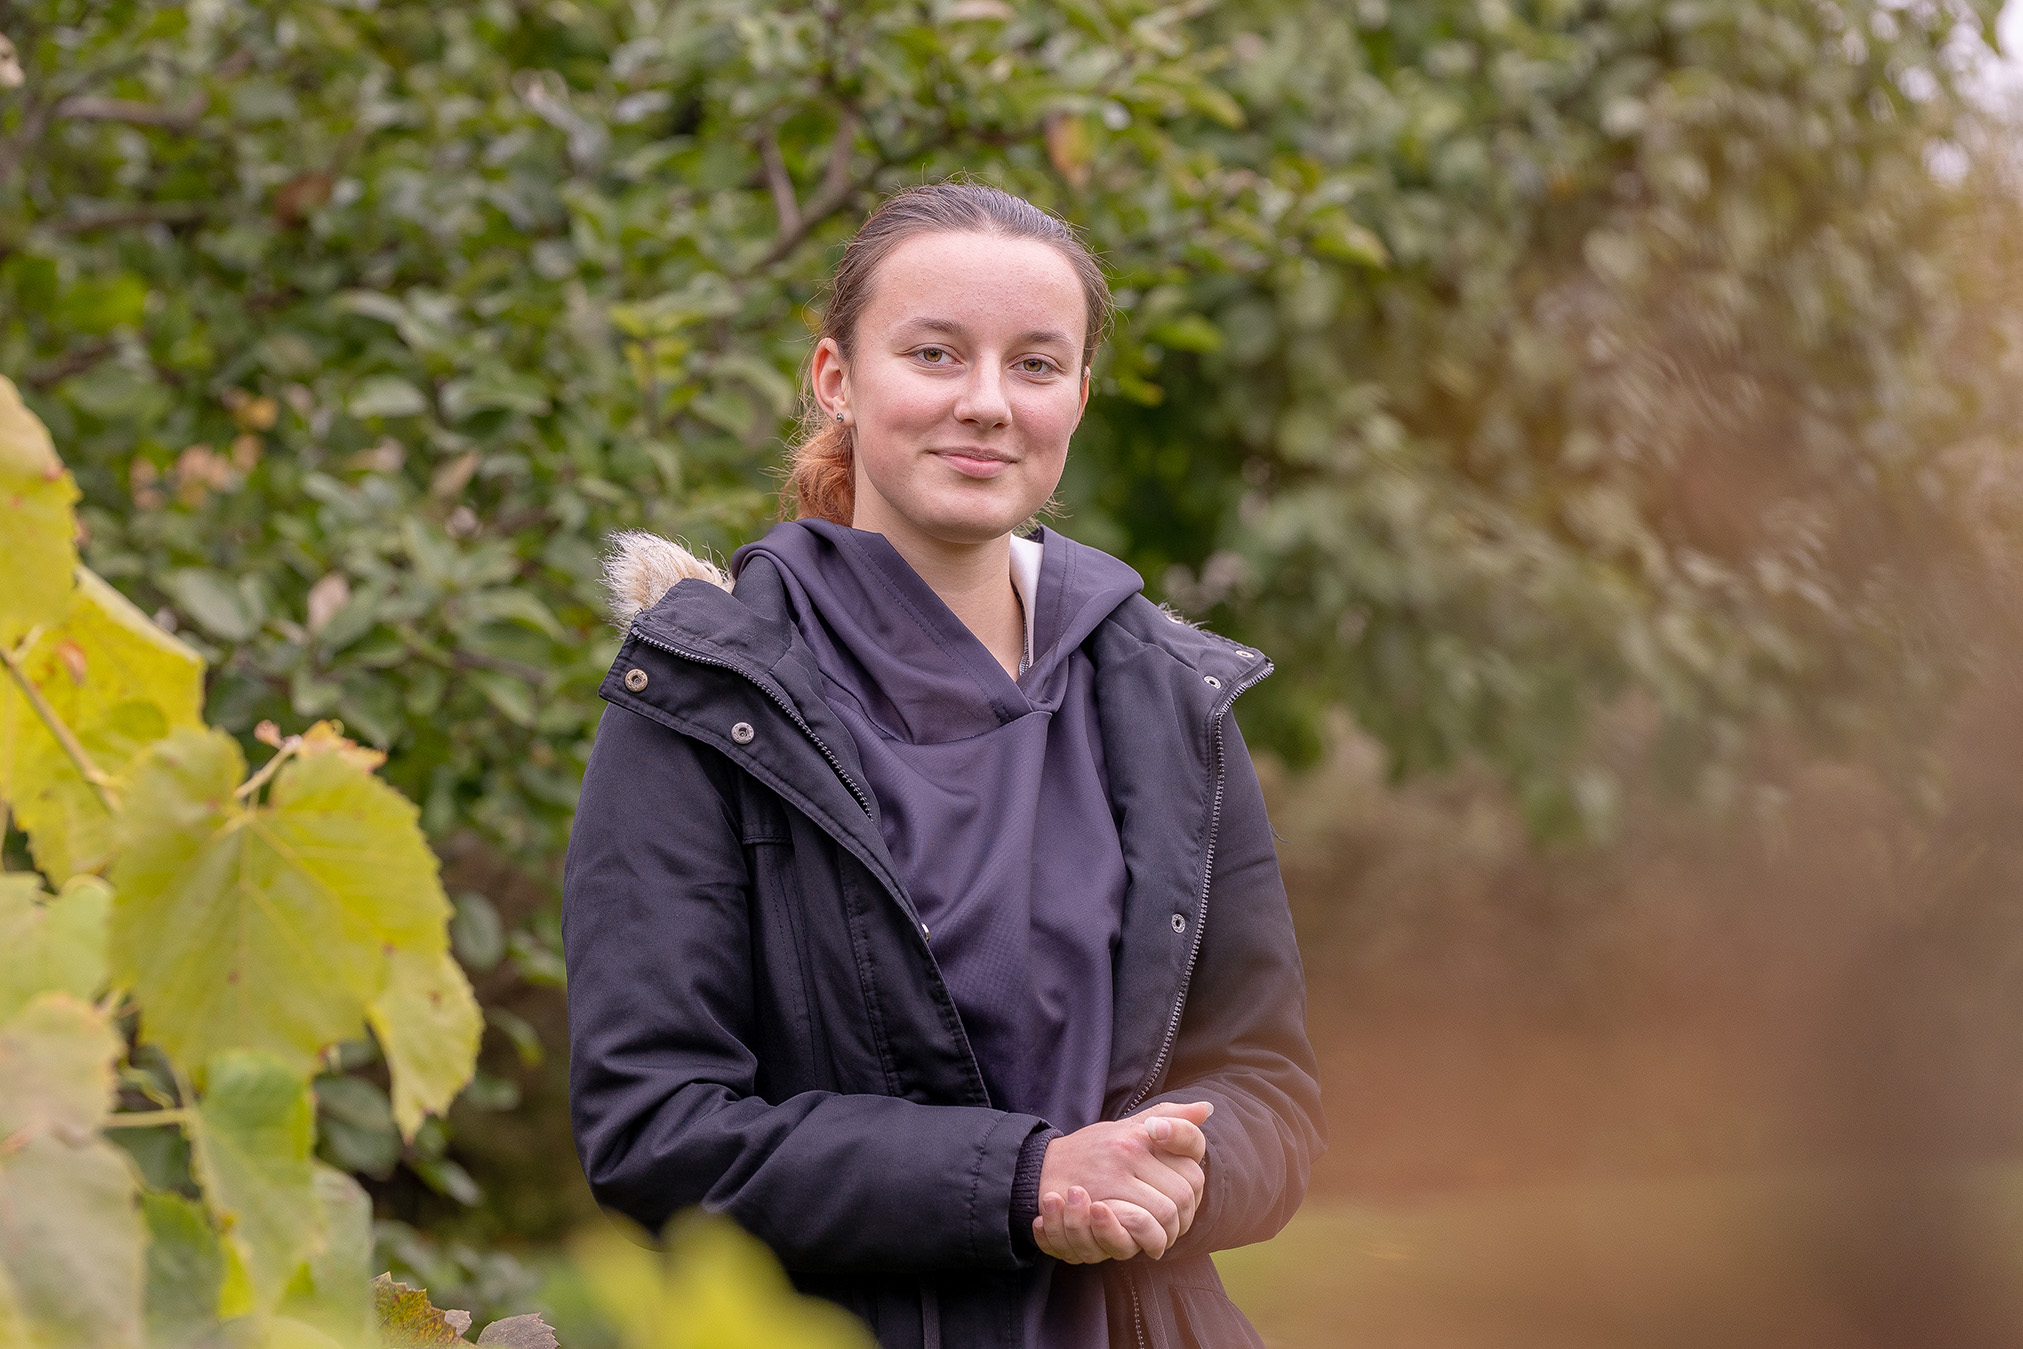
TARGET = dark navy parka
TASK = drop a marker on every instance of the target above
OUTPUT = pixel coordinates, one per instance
(758, 1026)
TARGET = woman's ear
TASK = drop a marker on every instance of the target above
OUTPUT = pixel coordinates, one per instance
(1086, 372)
(829, 377)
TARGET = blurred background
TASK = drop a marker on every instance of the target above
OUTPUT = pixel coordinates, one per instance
(1606, 412)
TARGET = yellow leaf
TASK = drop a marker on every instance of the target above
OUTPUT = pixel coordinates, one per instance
(118, 682)
(271, 926)
(429, 1025)
(38, 548)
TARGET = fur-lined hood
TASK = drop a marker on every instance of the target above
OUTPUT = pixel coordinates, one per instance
(641, 567)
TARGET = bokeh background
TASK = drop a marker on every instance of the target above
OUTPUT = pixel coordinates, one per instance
(1606, 412)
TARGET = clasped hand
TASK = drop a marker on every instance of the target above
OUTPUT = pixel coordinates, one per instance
(1121, 1187)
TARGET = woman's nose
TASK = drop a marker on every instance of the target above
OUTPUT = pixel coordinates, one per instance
(982, 403)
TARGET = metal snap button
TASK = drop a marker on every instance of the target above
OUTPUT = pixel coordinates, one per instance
(1211, 681)
(1179, 922)
(743, 733)
(635, 679)
(923, 932)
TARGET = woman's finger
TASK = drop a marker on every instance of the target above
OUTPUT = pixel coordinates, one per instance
(1052, 1225)
(1180, 1137)
(1195, 1112)
(1162, 1201)
(1079, 1219)
(1124, 1229)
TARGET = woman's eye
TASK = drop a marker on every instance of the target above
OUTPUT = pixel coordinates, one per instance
(1036, 365)
(932, 355)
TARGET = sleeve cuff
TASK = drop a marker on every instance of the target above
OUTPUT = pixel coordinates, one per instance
(1025, 1199)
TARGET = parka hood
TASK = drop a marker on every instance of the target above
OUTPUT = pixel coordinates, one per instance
(642, 567)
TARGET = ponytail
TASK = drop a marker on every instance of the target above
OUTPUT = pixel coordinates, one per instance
(821, 476)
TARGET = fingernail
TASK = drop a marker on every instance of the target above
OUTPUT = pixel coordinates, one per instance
(1160, 1130)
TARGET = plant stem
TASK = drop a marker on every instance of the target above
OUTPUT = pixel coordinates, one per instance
(252, 785)
(145, 1119)
(16, 665)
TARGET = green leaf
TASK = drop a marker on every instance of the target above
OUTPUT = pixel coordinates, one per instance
(250, 1144)
(71, 1242)
(332, 1291)
(119, 683)
(185, 1271)
(429, 1025)
(269, 927)
(38, 551)
(386, 396)
(51, 943)
(406, 1318)
(1188, 332)
(715, 1287)
(213, 601)
(70, 1236)
(98, 305)
(508, 693)
(501, 390)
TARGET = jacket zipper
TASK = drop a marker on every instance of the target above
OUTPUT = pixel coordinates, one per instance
(1193, 956)
(1201, 916)
(779, 698)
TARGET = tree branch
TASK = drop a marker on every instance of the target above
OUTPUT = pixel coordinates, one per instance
(781, 184)
(838, 186)
(89, 108)
(71, 363)
(163, 213)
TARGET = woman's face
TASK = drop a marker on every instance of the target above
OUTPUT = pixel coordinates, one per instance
(963, 386)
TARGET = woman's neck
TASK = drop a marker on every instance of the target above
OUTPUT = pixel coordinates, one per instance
(972, 579)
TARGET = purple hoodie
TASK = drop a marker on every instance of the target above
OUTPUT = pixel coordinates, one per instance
(993, 801)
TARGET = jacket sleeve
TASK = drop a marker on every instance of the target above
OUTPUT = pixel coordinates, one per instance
(1242, 1041)
(661, 1074)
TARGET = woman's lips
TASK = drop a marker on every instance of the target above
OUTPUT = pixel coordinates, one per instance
(972, 464)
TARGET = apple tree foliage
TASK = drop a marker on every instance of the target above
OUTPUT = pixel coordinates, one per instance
(1483, 361)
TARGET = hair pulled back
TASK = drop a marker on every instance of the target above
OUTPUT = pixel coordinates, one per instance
(821, 477)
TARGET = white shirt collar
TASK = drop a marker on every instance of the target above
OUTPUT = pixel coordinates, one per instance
(1025, 575)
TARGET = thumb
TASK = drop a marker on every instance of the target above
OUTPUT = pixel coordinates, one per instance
(1194, 1112)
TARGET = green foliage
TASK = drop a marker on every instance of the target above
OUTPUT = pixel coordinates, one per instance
(1481, 362)
(50, 943)
(71, 1239)
(259, 939)
(715, 1287)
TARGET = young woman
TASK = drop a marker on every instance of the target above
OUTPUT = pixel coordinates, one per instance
(921, 909)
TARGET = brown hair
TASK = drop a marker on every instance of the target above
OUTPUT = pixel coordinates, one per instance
(821, 480)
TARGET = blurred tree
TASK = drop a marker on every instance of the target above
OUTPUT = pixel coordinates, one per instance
(1480, 361)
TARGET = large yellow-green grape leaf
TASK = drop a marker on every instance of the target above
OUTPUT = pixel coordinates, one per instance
(269, 927)
(714, 1287)
(119, 682)
(71, 1238)
(50, 943)
(429, 1025)
(249, 1149)
(38, 543)
(333, 1291)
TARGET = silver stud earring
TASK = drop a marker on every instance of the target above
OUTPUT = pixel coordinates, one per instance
(839, 416)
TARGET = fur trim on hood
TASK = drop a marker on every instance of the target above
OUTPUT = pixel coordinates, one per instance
(641, 567)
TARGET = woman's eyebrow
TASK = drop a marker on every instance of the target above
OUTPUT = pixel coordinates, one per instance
(949, 328)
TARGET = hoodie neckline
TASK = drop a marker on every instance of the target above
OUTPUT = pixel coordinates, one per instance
(886, 642)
